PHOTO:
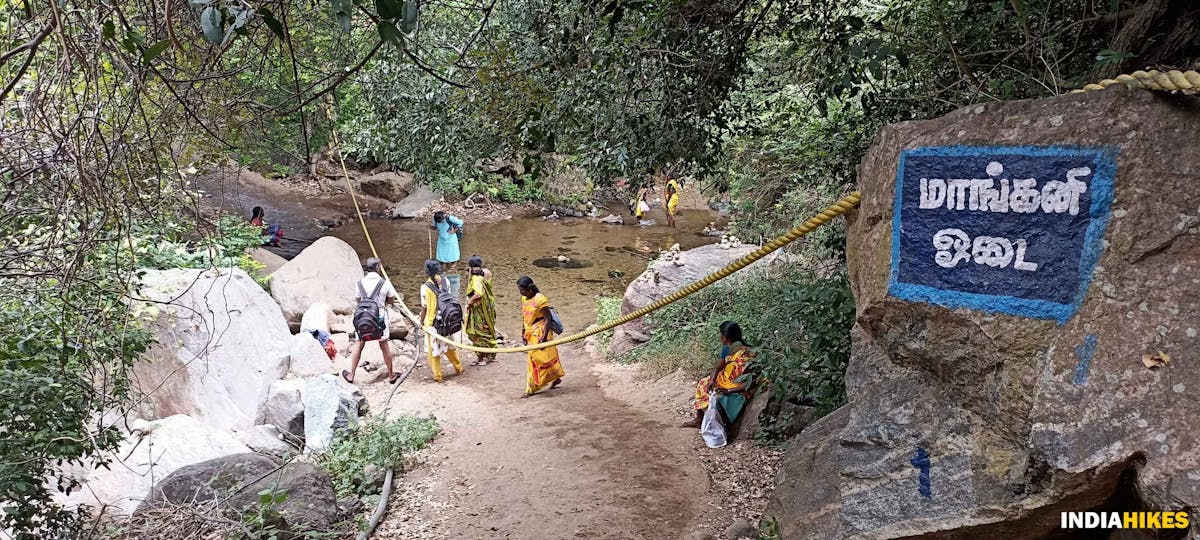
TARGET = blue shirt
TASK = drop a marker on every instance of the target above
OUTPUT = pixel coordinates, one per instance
(447, 248)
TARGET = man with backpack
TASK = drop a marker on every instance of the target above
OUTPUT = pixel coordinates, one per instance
(374, 292)
(440, 309)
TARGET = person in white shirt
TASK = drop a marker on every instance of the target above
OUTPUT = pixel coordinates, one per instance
(386, 295)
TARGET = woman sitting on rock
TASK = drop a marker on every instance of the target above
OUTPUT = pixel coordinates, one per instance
(735, 356)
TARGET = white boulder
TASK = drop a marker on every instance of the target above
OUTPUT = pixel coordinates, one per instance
(284, 408)
(221, 341)
(267, 439)
(330, 406)
(327, 271)
(308, 357)
(674, 270)
(152, 452)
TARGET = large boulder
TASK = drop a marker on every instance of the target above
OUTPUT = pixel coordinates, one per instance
(667, 275)
(220, 342)
(388, 185)
(984, 398)
(416, 204)
(330, 407)
(150, 451)
(308, 503)
(327, 271)
(283, 407)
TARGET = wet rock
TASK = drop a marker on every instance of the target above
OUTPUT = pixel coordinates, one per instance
(330, 407)
(963, 423)
(284, 408)
(153, 450)
(327, 271)
(741, 528)
(309, 502)
(220, 342)
(387, 185)
(416, 204)
(612, 219)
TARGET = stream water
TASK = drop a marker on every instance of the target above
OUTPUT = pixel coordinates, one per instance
(602, 259)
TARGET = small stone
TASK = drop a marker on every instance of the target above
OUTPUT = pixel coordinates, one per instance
(741, 529)
(1179, 388)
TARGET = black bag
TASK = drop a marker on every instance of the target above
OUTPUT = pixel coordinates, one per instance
(368, 317)
(449, 318)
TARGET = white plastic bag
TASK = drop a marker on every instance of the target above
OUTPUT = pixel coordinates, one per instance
(643, 206)
(711, 428)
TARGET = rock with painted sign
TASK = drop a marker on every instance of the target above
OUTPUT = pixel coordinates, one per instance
(1006, 229)
(1012, 264)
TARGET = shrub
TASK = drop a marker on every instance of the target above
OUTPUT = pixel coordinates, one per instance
(799, 324)
(608, 309)
(379, 442)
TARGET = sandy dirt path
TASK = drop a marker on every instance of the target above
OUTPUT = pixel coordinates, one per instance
(579, 461)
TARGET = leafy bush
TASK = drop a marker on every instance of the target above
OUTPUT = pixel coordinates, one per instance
(224, 247)
(608, 309)
(799, 324)
(382, 443)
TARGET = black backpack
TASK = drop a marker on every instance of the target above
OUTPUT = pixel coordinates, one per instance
(449, 318)
(368, 320)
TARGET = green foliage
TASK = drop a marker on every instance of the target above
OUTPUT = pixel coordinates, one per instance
(799, 324)
(608, 309)
(792, 165)
(498, 187)
(263, 521)
(224, 247)
(768, 529)
(379, 442)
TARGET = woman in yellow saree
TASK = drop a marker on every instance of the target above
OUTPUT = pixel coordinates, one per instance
(734, 357)
(672, 199)
(544, 367)
(481, 310)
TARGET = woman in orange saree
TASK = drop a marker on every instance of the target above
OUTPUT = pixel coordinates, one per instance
(544, 368)
(734, 357)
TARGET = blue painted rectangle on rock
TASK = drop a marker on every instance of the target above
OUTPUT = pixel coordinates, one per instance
(1001, 229)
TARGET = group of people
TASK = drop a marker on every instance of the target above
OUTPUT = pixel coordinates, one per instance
(732, 376)
(544, 369)
(671, 193)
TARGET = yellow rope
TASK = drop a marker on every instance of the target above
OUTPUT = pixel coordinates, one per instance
(1170, 81)
(846, 203)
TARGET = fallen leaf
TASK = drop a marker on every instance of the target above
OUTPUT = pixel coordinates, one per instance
(1156, 360)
